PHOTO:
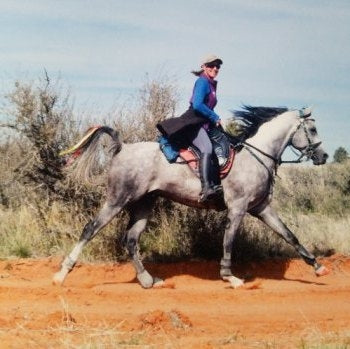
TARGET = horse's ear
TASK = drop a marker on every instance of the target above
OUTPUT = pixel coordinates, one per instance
(305, 112)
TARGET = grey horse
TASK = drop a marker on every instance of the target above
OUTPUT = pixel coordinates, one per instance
(139, 173)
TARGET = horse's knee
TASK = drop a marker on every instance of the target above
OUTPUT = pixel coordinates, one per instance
(88, 231)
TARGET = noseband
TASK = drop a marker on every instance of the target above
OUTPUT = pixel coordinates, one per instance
(308, 151)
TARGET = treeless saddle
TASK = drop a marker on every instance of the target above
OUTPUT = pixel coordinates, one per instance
(191, 157)
(223, 150)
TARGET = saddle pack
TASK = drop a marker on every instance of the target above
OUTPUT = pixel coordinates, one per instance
(222, 148)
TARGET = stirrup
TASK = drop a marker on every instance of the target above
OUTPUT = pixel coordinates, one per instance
(207, 194)
(218, 189)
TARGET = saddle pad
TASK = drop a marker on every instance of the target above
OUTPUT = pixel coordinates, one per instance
(191, 158)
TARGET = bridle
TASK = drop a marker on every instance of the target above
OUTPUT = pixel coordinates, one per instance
(306, 153)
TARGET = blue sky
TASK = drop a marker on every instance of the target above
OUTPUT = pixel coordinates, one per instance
(276, 53)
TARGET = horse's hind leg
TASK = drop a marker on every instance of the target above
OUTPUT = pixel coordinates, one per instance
(270, 218)
(139, 213)
(105, 215)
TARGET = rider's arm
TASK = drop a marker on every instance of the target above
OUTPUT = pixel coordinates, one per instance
(201, 90)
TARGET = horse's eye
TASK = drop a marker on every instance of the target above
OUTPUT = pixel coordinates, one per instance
(313, 130)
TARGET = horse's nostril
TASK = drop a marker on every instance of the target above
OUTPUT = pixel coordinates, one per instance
(325, 156)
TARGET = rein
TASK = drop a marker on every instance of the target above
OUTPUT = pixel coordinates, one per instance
(307, 152)
(277, 161)
(246, 145)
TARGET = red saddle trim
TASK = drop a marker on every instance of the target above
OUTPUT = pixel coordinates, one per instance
(192, 160)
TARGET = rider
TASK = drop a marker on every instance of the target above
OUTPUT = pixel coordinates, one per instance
(194, 124)
(204, 100)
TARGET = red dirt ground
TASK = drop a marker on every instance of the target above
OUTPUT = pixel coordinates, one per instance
(283, 305)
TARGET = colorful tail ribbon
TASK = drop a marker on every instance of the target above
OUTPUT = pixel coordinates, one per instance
(81, 143)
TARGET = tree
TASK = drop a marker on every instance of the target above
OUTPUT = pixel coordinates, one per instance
(340, 155)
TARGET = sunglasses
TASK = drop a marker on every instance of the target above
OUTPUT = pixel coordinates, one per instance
(212, 65)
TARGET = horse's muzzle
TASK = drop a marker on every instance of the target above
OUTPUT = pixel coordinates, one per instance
(319, 157)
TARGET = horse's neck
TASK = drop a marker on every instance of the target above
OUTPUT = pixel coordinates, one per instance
(273, 136)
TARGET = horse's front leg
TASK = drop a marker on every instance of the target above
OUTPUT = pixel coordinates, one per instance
(270, 218)
(234, 219)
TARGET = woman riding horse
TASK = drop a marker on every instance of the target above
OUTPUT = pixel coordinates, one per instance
(139, 173)
(193, 125)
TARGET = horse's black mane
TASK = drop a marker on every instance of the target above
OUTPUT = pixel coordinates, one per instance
(258, 114)
(251, 118)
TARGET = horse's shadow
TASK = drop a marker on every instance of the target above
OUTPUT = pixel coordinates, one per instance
(209, 270)
(275, 269)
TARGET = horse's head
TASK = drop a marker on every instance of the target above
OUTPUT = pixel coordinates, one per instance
(306, 139)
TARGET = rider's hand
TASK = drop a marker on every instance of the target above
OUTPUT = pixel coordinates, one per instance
(218, 123)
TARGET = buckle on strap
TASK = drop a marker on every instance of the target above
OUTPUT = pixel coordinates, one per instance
(305, 112)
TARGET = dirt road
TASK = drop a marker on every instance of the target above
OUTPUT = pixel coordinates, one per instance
(284, 305)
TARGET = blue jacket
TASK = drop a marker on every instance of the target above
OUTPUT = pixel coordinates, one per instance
(204, 99)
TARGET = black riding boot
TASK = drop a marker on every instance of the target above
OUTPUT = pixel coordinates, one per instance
(208, 192)
(215, 180)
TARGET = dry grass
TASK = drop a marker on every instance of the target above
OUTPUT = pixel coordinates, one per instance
(70, 335)
(174, 232)
(314, 338)
(43, 211)
(23, 235)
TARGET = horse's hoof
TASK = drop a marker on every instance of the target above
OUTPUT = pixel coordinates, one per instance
(157, 282)
(145, 279)
(234, 281)
(322, 271)
(58, 278)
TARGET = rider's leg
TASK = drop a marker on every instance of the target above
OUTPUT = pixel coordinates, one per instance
(203, 143)
(215, 175)
(208, 191)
